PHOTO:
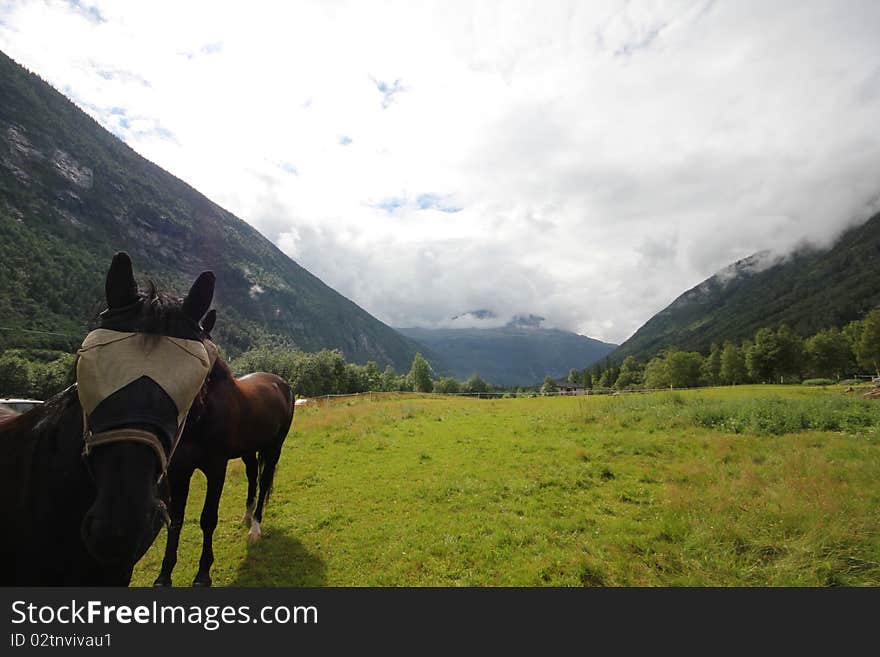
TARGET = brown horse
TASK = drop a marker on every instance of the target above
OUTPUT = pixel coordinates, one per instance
(246, 418)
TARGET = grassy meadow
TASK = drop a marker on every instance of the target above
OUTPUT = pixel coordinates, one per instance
(743, 486)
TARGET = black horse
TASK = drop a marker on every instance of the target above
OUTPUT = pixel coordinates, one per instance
(79, 475)
(247, 418)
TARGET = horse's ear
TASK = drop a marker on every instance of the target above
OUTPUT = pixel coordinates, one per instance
(201, 293)
(120, 288)
(209, 321)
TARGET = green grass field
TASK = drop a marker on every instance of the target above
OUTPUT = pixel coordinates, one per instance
(745, 486)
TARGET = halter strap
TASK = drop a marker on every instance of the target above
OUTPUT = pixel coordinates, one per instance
(92, 440)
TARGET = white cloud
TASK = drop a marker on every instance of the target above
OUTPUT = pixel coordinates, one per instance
(601, 157)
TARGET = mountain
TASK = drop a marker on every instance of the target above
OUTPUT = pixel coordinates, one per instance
(516, 354)
(810, 290)
(72, 194)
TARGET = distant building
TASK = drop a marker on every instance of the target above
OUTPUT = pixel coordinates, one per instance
(566, 387)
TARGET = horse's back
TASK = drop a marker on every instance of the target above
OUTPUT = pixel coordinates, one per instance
(263, 381)
(265, 404)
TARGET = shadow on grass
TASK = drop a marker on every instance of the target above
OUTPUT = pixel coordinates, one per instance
(280, 560)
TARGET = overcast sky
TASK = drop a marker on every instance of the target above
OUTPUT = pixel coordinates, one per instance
(583, 161)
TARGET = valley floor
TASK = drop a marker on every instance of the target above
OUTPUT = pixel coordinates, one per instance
(746, 486)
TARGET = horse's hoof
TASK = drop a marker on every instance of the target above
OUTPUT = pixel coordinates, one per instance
(254, 534)
(161, 580)
(202, 580)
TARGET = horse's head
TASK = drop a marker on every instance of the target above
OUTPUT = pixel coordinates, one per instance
(137, 375)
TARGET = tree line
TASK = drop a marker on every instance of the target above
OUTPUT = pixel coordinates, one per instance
(772, 356)
(326, 372)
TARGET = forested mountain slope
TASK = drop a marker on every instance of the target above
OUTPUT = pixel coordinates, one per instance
(809, 290)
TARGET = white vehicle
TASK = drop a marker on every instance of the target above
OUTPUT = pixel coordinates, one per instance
(19, 405)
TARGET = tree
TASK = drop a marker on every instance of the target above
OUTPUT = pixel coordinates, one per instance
(790, 357)
(683, 368)
(776, 355)
(745, 349)
(388, 380)
(763, 355)
(573, 376)
(475, 384)
(656, 373)
(614, 370)
(15, 378)
(321, 373)
(549, 385)
(48, 379)
(853, 332)
(420, 374)
(631, 373)
(588, 379)
(403, 383)
(355, 379)
(733, 365)
(372, 375)
(829, 354)
(868, 346)
(712, 366)
(608, 373)
(608, 376)
(447, 385)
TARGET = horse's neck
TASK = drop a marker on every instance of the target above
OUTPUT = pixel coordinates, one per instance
(223, 378)
(219, 378)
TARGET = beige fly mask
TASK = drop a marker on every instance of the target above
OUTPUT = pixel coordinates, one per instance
(110, 360)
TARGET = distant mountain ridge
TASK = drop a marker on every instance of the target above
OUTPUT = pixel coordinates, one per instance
(71, 194)
(810, 290)
(518, 354)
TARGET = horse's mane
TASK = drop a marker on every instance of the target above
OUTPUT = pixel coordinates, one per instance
(220, 372)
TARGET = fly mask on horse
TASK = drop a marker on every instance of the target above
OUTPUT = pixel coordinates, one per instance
(137, 376)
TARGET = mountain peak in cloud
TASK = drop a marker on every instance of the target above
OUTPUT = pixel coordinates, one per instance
(482, 313)
(486, 318)
(526, 321)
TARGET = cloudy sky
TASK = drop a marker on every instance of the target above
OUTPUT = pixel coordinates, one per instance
(583, 161)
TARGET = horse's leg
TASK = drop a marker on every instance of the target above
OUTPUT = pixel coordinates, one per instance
(250, 466)
(216, 475)
(179, 482)
(267, 473)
